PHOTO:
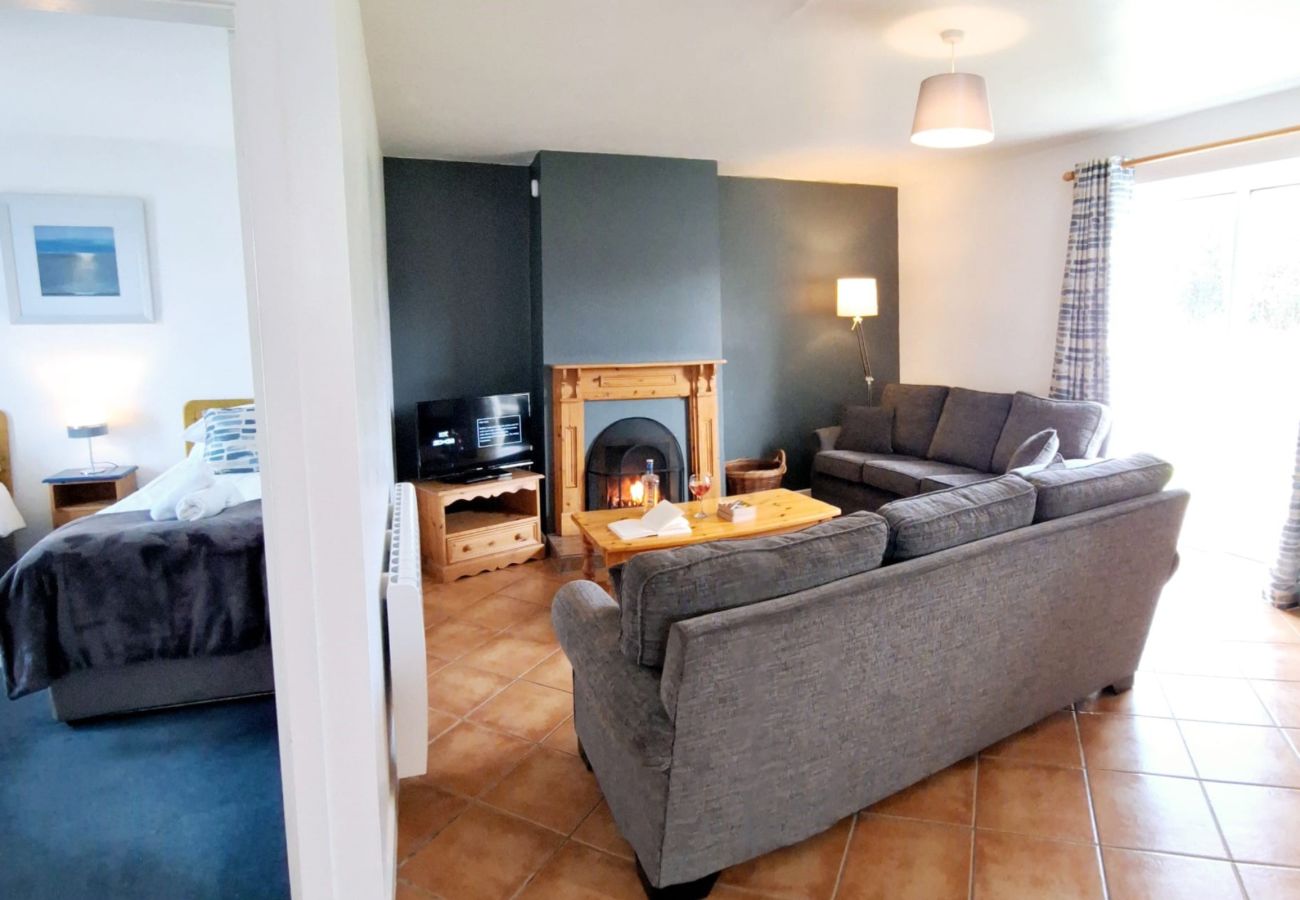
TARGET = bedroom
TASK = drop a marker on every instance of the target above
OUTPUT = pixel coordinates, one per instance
(94, 409)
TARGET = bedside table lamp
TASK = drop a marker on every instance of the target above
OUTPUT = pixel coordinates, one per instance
(90, 432)
(856, 298)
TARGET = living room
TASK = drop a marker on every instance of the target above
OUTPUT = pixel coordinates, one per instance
(757, 274)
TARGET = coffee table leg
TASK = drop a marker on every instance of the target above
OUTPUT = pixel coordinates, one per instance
(588, 559)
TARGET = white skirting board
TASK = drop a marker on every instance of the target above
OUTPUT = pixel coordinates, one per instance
(407, 663)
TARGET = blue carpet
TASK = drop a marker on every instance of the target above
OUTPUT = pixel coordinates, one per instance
(182, 803)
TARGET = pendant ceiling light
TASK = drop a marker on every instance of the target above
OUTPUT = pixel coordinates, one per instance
(952, 109)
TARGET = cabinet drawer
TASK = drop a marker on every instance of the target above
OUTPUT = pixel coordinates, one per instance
(497, 540)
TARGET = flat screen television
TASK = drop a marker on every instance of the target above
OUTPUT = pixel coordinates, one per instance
(473, 437)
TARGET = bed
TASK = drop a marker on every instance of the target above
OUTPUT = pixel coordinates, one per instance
(118, 613)
(8, 555)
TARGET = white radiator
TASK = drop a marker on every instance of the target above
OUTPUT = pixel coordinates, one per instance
(407, 664)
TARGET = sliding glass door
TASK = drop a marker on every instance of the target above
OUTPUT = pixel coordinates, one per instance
(1205, 334)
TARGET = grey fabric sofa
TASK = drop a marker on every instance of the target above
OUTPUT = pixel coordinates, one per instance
(943, 437)
(742, 696)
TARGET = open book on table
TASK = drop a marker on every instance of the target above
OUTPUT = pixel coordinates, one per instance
(662, 521)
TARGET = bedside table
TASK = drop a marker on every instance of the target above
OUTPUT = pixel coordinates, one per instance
(74, 494)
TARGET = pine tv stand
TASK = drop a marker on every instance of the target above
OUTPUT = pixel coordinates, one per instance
(481, 526)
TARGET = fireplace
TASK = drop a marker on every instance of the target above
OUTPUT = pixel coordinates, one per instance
(618, 457)
(574, 385)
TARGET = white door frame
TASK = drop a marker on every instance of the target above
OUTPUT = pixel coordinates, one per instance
(293, 64)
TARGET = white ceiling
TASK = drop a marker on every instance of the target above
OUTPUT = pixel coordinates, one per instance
(117, 79)
(815, 89)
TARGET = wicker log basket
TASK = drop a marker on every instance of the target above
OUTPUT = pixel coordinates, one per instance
(744, 476)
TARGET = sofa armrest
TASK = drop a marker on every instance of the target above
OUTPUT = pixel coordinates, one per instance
(624, 695)
(825, 438)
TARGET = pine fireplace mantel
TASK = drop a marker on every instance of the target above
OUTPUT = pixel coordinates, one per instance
(574, 384)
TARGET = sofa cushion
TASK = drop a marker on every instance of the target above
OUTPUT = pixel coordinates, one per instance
(936, 521)
(943, 482)
(1037, 451)
(665, 586)
(902, 475)
(1081, 426)
(867, 429)
(916, 409)
(1066, 490)
(844, 464)
(969, 428)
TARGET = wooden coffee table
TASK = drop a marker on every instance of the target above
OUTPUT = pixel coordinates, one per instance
(779, 511)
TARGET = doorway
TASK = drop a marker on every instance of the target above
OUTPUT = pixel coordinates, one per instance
(1205, 330)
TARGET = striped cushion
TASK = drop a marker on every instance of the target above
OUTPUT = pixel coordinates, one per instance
(230, 440)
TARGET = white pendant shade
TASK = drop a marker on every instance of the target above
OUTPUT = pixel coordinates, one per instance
(952, 110)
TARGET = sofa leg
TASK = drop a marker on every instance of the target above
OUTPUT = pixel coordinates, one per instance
(691, 890)
(1119, 687)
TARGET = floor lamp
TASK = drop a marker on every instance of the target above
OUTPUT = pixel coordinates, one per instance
(856, 298)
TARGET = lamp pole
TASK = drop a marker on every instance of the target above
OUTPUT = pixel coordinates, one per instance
(862, 350)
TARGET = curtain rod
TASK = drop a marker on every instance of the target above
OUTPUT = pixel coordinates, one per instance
(1201, 148)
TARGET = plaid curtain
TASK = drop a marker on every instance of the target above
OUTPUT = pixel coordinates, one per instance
(1081, 367)
(1286, 574)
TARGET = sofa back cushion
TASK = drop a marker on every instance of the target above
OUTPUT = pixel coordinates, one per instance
(916, 409)
(969, 428)
(1081, 426)
(928, 523)
(866, 429)
(665, 586)
(1066, 490)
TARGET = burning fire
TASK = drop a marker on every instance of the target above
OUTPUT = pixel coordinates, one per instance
(637, 493)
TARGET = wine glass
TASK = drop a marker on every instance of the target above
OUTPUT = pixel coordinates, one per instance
(699, 485)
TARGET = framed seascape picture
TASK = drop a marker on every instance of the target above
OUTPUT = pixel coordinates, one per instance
(75, 259)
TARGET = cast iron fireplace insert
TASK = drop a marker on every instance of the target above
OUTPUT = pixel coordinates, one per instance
(617, 458)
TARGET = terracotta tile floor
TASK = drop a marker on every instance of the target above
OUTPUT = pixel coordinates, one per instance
(1188, 786)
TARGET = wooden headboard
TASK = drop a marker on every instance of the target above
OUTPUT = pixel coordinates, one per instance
(6, 464)
(195, 409)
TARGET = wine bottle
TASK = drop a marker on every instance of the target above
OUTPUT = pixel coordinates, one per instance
(650, 486)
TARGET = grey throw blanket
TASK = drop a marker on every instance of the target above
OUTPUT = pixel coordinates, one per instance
(113, 589)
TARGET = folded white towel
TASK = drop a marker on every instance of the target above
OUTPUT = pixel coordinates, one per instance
(10, 519)
(208, 502)
(184, 480)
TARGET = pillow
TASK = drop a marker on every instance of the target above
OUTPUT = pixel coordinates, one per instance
(661, 587)
(230, 440)
(916, 409)
(1081, 426)
(1065, 491)
(969, 428)
(1037, 451)
(928, 523)
(193, 434)
(866, 429)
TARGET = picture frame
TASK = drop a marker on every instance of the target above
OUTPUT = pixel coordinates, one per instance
(75, 259)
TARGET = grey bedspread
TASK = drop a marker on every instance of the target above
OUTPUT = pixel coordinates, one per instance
(114, 589)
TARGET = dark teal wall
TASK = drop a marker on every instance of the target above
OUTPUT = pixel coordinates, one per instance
(791, 363)
(458, 285)
(628, 266)
(636, 259)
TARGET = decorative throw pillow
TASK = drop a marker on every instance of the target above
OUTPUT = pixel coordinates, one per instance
(866, 429)
(230, 440)
(1036, 451)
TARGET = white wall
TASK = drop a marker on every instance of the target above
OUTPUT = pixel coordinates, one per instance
(311, 182)
(982, 242)
(139, 375)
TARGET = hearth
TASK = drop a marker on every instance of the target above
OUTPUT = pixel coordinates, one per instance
(617, 459)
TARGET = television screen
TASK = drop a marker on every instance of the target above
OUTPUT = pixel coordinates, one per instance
(473, 433)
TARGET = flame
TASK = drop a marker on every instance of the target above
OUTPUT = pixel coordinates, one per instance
(637, 492)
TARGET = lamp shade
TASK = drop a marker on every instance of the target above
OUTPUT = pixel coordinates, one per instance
(88, 431)
(856, 297)
(952, 110)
